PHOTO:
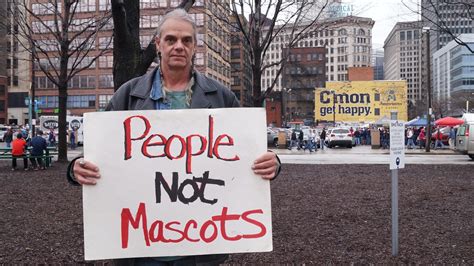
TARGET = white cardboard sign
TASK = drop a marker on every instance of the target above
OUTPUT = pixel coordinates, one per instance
(176, 182)
(397, 145)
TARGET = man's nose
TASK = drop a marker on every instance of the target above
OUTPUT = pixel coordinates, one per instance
(179, 45)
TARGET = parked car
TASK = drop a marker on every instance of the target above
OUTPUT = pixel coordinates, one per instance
(444, 135)
(3, 130)
(339, 137)
(272, 137)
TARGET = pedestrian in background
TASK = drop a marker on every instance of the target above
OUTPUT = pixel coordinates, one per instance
(293, 140)
(51, 138)
(8, 137)
(72, 139)
(422, 138)
(410, 136)
(38, 146)
(452, 138)
(300, 140)
(438, 139)
(322, 138)
(19, 151)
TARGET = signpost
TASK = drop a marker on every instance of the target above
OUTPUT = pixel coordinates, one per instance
(397, 161)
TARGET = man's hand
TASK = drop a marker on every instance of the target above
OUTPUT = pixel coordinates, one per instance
(85, 173)
(266, 165)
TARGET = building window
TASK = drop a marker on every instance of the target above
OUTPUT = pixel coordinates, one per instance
(104, 100)
(106, 81)
(106, 61)
(81, 101)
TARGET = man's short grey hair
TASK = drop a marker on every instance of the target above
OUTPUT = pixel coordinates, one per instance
(180, 14)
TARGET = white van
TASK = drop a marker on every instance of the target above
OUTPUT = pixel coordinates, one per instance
(465, 136)
(73, 123)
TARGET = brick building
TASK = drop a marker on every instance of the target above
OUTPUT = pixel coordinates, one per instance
(304, 71)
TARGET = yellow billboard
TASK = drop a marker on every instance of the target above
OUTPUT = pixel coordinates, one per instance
(361, 101)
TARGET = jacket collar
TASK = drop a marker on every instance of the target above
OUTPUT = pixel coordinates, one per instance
(147, 88)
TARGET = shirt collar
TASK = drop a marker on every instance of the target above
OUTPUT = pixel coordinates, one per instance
(156, 88)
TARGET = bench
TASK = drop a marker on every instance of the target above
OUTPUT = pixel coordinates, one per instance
(5, 154)
(48, 159)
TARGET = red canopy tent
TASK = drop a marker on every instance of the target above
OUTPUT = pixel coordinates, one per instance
(449, 121)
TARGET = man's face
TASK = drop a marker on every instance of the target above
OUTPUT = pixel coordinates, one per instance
(176, 44)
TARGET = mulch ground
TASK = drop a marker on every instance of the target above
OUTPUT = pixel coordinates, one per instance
(321, 214)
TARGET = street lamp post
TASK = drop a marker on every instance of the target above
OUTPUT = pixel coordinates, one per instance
(333, 92)
(288, 108)
(428, 87)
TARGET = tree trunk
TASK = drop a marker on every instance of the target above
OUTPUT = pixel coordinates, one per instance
(130, 60)
(127, 49)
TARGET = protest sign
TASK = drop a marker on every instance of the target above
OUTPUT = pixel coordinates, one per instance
(176, 182)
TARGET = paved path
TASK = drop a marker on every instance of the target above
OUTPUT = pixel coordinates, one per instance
(366, 155)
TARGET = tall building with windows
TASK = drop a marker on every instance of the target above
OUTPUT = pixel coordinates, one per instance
(453, 75)
(378, 63)
(402, 57)
(18, 68)
(3, 61)
(241, 70)
(92, 88)
(347, 41)
(446, 19)
(304, 72)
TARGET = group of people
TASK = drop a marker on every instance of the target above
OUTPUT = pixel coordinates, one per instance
(417, 137)
(361, 136)
(20, 150)
(309, 143)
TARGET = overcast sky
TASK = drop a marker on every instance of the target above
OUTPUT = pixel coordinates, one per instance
(386, 14)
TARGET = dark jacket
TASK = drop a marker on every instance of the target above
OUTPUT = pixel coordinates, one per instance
(323, 134)
(135, 94)
(38, 145)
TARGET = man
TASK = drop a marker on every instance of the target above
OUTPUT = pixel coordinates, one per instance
(410, 136)
(39, 145)
(8, 137)
(292, 139)
(173, 85)
(300, 140)
(452, 138)
(18, 151)
(438, 139)
(52, 138)
(322, 138)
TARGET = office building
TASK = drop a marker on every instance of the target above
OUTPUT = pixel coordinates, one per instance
(446, 19)
(241, 70)
(347, 41)
(402, 57)
(304, 71)
(378, 63)
(453, 76)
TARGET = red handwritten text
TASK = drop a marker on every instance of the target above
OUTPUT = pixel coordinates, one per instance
(185, 143)
(209, 231)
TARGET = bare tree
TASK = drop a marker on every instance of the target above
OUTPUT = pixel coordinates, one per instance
(433, 12)
(130, 60)
(267, 21)
(61, 41)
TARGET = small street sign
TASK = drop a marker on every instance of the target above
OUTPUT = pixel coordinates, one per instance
(397, 145)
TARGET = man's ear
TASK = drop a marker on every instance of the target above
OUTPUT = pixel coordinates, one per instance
(157, 43)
